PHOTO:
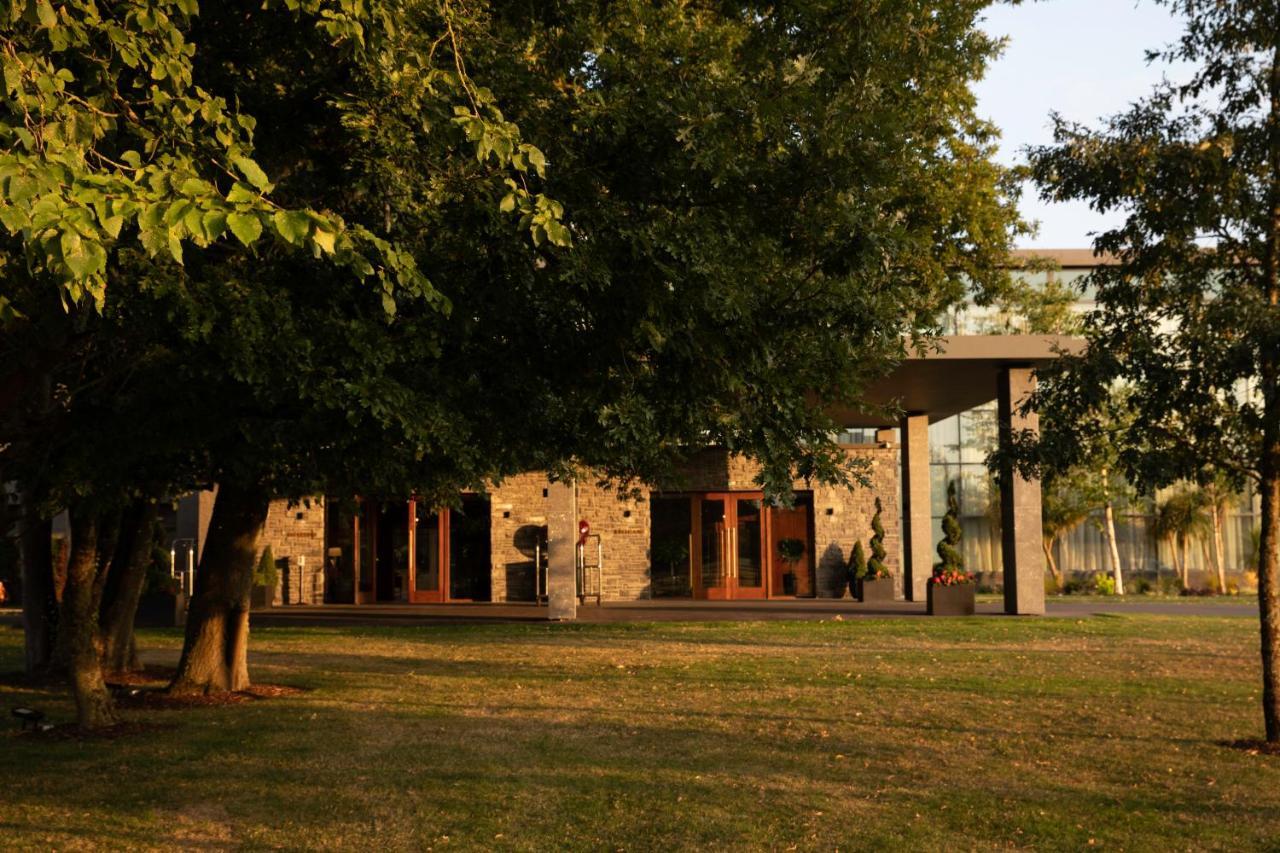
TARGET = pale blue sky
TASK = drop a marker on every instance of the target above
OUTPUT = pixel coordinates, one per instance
(1082, 58)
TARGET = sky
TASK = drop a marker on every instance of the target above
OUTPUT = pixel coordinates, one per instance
(1081, 58)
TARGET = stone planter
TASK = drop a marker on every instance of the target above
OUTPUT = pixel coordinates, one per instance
(877, 591)
(954, 600)
(159, 609)
(261, 597)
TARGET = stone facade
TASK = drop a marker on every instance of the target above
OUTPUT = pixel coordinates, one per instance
(623, 526)
(841, 516)
(295, 535)
(518, 507)
(518, 518)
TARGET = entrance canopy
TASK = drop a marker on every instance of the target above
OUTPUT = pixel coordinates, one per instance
(963, 373)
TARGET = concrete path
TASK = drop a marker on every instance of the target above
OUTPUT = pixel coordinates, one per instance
(709, 611)
(704, 611)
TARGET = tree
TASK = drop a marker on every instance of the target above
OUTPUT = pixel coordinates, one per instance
(1179, 518)
(117, 162)
(1189, 315)
(740, 186)
(1067, 500)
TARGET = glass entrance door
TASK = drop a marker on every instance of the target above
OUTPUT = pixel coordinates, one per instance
(429, 547)
(748, 547)
(714, 565)
(731, 555)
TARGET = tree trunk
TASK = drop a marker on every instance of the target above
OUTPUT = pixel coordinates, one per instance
(1113, 549)
(79, 626)
(1269, 467)
(1269, 584)
(39, 605)
(1047, 543)
(215, 654)
(1219, 557)
(124, 588)
(1173, 555)
(1185, 542)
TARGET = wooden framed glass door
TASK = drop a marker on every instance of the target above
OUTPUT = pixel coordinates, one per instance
(749, 553)
(729, 532)
(429, 569)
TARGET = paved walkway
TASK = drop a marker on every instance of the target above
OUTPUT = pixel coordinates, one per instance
(701, 611)
(707, 611)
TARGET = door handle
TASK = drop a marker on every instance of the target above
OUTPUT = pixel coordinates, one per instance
(733, 552)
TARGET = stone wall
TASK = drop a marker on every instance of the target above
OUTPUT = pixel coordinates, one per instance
(296, 534)
(623, 525)
(518, 516)
(843, 516)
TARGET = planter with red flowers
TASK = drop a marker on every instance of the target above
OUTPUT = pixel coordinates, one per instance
(951, 589)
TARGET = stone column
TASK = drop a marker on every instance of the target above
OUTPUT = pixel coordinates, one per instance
(562, 550)
(917, 517)
(1020, 521)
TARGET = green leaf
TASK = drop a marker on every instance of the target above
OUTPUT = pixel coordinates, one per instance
(292, 225)
(215, 223)
(325, 239)
(83, 257)
(44, 11)
(253, 173)
(508, 203)
(241, 194)
(246, 226)
(538, 160)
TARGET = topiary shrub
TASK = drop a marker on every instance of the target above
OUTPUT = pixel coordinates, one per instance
(266, 575)
(950, 570)
(876, 568)
(857, 563)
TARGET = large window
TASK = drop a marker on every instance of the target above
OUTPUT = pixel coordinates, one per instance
(958, 448)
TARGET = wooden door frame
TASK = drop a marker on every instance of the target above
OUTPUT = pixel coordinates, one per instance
(441, 594)
(761, 592)
(730, 591)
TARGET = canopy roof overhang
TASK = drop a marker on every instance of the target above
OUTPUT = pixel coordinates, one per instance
(963, 372)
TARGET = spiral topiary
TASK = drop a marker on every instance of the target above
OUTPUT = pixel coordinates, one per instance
(951, 568)
(876, 568)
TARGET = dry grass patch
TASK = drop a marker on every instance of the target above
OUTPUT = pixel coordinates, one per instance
(980, 733)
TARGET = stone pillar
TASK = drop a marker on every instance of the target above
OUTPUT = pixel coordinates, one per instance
(917, 516)
(1020, 520)
(562, 551)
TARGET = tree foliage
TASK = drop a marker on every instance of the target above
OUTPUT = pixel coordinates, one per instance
(1188, 315)
(337, 265)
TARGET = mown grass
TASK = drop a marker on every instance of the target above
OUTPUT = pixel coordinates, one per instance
(1046, 733)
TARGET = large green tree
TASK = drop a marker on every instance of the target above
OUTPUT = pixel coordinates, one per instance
(1189, 315)
(755, 210)
(144, 235)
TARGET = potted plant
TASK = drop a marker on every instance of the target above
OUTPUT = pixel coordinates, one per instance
(951, 589)
(791, 551)
(877, 583)
(265, 578)
(856, 569)
(162, 603)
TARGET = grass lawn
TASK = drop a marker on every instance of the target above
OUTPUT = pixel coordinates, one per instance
(1046, 733)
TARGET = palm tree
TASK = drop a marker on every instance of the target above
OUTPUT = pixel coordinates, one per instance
(1180, 517)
